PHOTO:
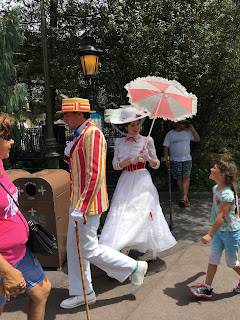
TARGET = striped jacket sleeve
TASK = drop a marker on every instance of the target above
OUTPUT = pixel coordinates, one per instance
(94, 148)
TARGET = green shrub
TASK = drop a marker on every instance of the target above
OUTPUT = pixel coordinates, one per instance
(200, 180)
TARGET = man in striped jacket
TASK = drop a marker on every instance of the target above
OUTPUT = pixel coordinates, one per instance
(86, 157)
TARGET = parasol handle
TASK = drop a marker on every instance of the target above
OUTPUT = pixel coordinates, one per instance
(154, 118)
(141, 159)
(150, 131)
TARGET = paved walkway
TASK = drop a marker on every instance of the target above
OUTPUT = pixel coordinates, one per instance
(164, 294)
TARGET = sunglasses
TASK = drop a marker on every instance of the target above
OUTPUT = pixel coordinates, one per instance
(6, 137)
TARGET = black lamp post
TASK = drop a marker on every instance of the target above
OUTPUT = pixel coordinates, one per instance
(51, 144)
(89, 59)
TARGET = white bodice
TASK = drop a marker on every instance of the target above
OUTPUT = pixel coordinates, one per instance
(129, 147)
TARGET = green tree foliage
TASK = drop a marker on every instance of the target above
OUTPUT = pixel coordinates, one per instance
(12, 93)
(193, 41)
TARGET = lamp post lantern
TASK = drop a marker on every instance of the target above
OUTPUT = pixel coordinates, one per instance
(89, 56)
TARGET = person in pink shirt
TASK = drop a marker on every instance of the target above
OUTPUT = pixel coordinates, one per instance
(19, 268)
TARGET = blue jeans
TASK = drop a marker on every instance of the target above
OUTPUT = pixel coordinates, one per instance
(31, 271)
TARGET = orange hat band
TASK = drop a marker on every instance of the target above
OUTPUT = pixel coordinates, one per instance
(75, 106)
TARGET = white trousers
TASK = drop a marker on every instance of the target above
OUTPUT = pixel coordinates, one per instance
(114, 263)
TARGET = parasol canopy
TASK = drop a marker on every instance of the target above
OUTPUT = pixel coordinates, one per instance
(163, 98)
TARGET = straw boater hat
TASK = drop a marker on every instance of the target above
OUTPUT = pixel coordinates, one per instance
(75, 105)
(123, 115)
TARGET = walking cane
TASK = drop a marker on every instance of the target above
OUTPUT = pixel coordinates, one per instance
(170, 192)
(81, 268)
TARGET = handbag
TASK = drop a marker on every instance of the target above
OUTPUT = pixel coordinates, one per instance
(40, 240)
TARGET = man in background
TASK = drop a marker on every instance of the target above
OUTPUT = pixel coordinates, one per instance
(177, 145)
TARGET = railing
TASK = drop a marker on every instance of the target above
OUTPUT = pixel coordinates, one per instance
(33, 138)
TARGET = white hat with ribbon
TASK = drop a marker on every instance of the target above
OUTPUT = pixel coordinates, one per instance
(124, 114)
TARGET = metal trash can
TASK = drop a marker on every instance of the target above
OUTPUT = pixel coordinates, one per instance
(44, 197)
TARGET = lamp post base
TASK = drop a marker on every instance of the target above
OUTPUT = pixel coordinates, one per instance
(52, 155)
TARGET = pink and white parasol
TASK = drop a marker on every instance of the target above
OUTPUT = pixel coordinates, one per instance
(163, 98)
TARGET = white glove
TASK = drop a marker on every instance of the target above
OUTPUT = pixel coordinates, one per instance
(76, 215)
(134, 160)
(146, 155)
(68, 148)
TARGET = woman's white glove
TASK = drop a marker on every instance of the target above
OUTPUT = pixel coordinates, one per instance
(76, 215)
(134, 160)
(146, 154)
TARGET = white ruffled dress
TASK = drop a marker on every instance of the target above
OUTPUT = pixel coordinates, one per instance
(135, 218)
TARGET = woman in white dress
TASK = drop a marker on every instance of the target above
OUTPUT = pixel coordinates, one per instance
(135, 219)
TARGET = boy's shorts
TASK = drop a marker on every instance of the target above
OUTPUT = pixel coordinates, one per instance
(31, 271)
(230, 241)
(179, 168)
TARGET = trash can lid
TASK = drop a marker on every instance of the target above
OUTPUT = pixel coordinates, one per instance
(58, 179)
(14, 174)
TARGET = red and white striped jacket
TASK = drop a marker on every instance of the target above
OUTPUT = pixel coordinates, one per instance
(87, 166)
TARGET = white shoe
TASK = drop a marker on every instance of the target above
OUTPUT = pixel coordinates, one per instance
(77, 301)
(138, 276)
(125, 251)
(149, 255)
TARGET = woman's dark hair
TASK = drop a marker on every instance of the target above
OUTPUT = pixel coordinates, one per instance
(125, 125)
(6, 124)
(230, 170)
